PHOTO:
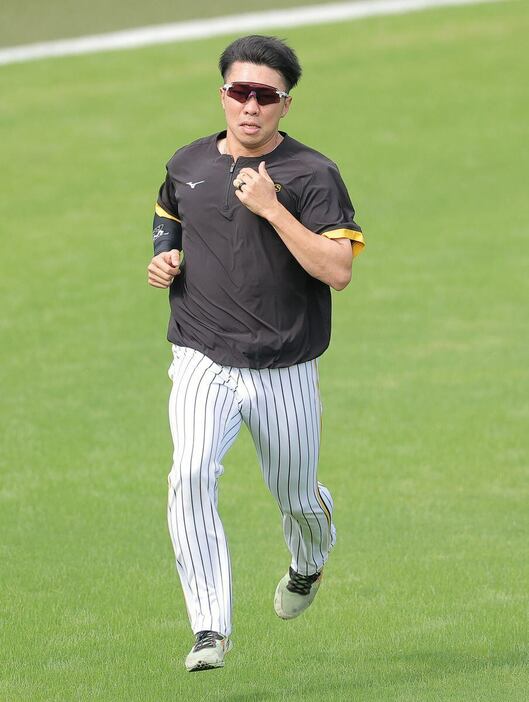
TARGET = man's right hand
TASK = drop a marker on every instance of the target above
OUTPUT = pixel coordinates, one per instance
(163, 268)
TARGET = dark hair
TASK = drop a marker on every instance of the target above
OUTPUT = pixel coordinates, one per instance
(263, 50)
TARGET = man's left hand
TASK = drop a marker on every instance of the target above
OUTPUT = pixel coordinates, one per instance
(258, 192)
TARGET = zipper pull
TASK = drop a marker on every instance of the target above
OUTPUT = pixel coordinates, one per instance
(232, 167)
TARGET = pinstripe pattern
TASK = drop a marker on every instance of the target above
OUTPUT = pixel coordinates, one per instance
(207, 406)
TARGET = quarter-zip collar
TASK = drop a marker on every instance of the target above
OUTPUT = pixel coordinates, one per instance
(270, 156)
(233, 166)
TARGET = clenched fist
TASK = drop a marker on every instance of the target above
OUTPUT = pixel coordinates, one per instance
(163, 268)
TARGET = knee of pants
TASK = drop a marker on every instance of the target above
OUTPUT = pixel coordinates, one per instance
(292, 498)
(295, 509)
(302, 506)
(193, 473)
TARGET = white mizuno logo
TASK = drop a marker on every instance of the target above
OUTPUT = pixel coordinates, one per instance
(193, 185)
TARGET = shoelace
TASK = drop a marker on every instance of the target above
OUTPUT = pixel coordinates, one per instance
(301, 584)
(205, 639)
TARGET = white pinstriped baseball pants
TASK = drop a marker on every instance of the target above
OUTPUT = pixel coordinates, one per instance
(282, 409)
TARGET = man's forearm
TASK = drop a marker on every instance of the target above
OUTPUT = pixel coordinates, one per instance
(166, 232)
(323, 258)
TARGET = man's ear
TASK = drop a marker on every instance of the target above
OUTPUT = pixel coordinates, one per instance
(286, 106)
(222, 95)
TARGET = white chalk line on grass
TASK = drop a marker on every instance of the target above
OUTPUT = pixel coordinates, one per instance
(230, 24)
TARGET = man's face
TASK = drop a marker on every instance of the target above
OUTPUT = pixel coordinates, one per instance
(250, 124)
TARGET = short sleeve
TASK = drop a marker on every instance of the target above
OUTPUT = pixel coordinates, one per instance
(166, 203)
(326, 208)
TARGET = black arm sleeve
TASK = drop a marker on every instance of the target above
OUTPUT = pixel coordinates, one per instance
(167, 228)
(166, 234)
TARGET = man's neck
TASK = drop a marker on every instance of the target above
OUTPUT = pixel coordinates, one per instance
(234, 149)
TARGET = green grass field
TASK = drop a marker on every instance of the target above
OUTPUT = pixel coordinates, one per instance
(425, 385)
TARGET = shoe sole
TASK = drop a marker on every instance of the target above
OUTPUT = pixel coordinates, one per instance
(204, 666)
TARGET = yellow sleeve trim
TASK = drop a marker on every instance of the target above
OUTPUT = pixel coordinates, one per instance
(356, 238)
(162, 213)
